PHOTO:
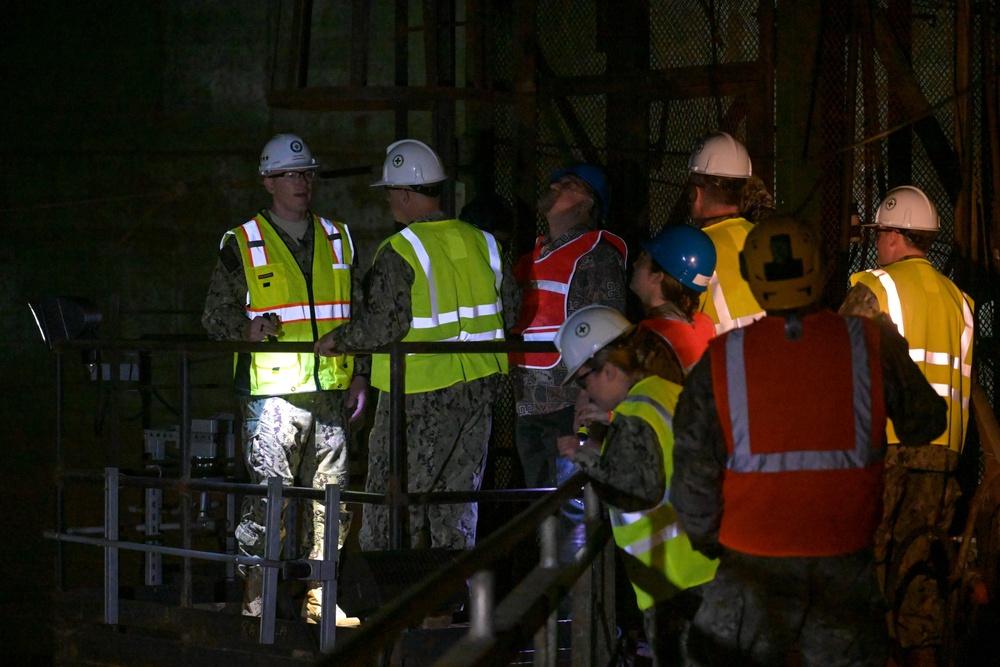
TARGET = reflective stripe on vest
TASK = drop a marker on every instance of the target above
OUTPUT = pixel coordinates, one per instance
(438, 318)
(653, 537)
(545, 283)
(455, 296)
(940, 339)
(744, 460)
(732, 303)
(922, 356)
(803, 420)
(276, 284)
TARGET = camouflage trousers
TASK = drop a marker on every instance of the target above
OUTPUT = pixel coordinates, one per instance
(447, 433)
(300, 439)
(918, 508)
(759, 607)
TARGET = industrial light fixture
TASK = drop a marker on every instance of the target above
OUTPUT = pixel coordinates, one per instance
(61, 319)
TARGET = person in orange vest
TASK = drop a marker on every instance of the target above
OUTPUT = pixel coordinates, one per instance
(575, 265)
(778, 460)
(267, 284)
(629, 467)
(669, 277)
(921, 490)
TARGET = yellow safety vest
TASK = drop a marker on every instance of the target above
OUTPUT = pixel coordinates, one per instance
(307, 309)
(728, 299)
(654, 537)
(455, 297)
(935, 318)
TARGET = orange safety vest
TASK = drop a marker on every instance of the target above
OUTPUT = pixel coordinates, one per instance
(545, 286)
(804, 426)
(688, 340)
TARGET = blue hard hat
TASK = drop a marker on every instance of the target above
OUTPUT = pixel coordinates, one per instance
(686, 253)
(594, 177)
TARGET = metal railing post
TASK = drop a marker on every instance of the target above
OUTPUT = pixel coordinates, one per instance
(272, 550)
(111, 508)
(187, 584)
(328, 571)
(547, 637)
(398, 473)
(481, 592)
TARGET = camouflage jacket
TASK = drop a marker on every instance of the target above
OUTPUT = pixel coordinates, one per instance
(628, 474)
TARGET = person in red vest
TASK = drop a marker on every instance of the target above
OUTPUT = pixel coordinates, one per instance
(669, 277)
(576, 264)
(778, 460)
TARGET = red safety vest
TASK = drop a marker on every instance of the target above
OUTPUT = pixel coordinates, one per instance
(688, 341)
(804, 426)
(545, 285)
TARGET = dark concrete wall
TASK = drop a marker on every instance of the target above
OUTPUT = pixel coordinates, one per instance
(129, 144)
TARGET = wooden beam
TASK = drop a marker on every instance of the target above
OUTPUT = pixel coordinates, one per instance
(377, 98)
(360, 33)
(905, 87)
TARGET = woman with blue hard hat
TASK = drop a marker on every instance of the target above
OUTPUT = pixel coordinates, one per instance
(669, 277)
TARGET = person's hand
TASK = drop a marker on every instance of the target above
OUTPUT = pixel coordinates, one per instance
(325, 347)
(259, 328)
(568, 446)
(590, 414)
(357, 397)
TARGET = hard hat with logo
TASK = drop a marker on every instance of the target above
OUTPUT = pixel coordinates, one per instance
(595, 178)
(410, 162)
(585, 332)
(781, 260)
(286, 152)
(686, 253)
(907, 207)
(719, 154)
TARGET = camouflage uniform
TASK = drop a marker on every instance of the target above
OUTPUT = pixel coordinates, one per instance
(917, 510)
(299, 438)
(757, 606)
(447, 430)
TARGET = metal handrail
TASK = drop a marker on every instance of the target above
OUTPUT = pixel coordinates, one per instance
(549, 582)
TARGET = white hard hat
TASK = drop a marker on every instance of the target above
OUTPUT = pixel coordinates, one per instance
(410, 162)
(286, 152)
(585, 332)
(907, 207)
(719, 154)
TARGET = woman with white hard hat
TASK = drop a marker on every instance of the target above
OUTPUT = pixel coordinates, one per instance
(630, 467)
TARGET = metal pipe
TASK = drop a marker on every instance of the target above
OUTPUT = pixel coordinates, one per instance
(481, 593)
(111, 551)
(398, 474)
(272, 551)
(60, 518)
(186, 581)
(331, 554)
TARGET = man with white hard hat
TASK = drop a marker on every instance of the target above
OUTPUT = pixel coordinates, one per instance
(438, 279)
(725, 199)
(921, 490)
(289, 275)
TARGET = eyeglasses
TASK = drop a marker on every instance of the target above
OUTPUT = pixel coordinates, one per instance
(581, 380)
(567, 183)
(295, 176)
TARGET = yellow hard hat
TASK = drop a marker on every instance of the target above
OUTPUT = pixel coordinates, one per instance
(782, 262)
